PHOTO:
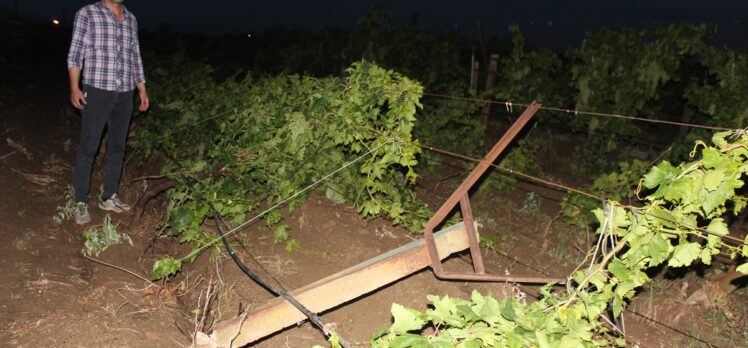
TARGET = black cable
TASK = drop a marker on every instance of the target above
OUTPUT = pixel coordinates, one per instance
(313, 318)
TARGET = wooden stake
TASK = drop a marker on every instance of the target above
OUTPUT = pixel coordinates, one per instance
(474, 77)
(493, 66)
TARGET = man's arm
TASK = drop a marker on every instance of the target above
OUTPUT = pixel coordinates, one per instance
(75, 58)
(143, 95)
(76, 95)
(139, 73)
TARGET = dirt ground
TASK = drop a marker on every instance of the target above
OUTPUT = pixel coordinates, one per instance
(54, 297)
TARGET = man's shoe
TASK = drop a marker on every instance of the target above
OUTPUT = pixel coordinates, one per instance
(82, 216)
(114, 204)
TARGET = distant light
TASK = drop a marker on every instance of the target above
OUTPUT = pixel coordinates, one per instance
(56, 21)
(249, 35)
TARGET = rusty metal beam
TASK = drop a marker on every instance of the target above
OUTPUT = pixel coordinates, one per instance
(460, 195)
(334, 290)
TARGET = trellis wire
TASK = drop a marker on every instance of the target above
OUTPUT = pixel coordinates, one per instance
(509, 105)
(566, 188)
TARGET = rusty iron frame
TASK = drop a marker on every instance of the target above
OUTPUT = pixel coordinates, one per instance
(461, 196)
(386, 268)
(333, 291)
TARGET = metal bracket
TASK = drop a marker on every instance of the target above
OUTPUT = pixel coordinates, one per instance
(460, 195)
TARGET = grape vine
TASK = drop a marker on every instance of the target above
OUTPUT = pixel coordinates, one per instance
(681, 222)
(278, 135)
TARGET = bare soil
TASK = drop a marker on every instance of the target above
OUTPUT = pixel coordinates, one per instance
(51, 296)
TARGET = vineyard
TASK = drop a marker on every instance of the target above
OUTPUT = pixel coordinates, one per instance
(626, 187)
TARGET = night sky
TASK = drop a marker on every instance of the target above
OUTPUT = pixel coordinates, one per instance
(555, 23)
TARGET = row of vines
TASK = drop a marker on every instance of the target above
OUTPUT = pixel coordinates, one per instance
(269, 138)
(247, 135)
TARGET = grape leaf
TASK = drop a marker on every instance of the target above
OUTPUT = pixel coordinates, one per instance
(659, 174)
(717, 197)
(619, 270)
(659, 249)
(165, 268)
(713, 178)
(409, 340)
(718, 226)
(445, 309)
(405, 319)
(684, 254)
(712, 158)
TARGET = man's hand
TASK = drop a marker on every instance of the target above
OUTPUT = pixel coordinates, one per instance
(77, 98)
(144, 102)
(143, 96)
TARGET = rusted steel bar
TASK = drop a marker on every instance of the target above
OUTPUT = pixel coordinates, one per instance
(333, 290)
(460, 195)
(498, 278)
(467, 216)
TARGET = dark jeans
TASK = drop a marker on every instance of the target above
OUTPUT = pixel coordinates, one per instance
(113, 110)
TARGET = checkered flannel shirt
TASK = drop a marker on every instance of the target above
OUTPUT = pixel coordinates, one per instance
(107, 51)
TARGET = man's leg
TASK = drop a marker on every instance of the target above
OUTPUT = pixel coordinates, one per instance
(95, 114)
(119, 123)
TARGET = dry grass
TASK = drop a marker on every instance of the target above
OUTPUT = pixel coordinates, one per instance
(16, 145)
(38, 179)
(277, 265)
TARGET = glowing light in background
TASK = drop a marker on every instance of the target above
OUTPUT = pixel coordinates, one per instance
(56, 21)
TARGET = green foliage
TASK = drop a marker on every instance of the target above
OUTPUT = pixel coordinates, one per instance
(275, 136)
(743, 268)
(101, 237)
(536, 74)
(617, 186)
(531, 204)
(680, 223)
(334, 341)
(433, 58)
(621, 71)
(629, 72)
(700, 189)
(451, 124)
(69, 208)
(721, 97)
(165, 268)
(522, 158)
(484, 321)
(292, 245)
(492, 242)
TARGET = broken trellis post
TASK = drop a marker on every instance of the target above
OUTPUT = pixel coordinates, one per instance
(333, 290)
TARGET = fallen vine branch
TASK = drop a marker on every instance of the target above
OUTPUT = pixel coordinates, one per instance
(153, 191)
(119, 268)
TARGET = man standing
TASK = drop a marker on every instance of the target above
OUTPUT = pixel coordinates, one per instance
(105, 47)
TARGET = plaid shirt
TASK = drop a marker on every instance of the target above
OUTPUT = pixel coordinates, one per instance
(110, 50)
